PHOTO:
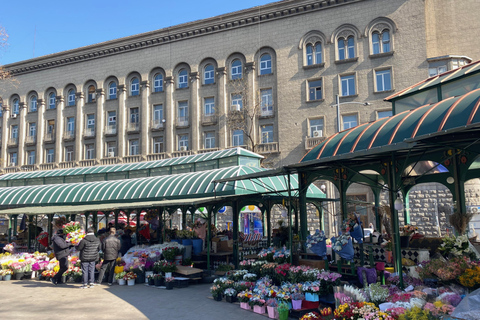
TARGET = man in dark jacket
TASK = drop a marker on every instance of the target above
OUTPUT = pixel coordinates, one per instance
(61, 249)
(126, 241)
(89, 247)
(110, 248)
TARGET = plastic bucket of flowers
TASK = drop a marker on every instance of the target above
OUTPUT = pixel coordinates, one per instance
(130, 278)
(119, 276)
(169, 283)
(297, 299)
(272, 308)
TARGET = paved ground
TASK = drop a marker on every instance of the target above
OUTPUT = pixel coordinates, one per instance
(31, 299)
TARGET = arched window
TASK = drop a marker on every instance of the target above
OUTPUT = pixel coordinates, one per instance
(91, 94)
(158, 83)
(16, 109)
(135, 87)
(182, 79)
(33, 103)
(265, 64)
(236, 69)
(208, 74)
(314, 53)
(346, 48)
(71, 97)
(381, 41)
(51, 101)
(112, 90)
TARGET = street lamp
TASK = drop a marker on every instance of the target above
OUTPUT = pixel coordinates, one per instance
(337, 105)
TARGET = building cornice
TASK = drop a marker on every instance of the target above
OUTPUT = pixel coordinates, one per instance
(239, 19)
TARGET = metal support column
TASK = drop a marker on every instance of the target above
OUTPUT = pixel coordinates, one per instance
(269, 225)
(302, 197)
(236, 226)
(209, 237)
(396, 231)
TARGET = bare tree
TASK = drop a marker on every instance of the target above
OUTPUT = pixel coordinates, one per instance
(6, 77)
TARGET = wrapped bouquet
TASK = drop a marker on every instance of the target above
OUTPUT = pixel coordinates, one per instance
(74, 232)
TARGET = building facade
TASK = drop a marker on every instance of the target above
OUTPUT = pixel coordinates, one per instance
(266, 78)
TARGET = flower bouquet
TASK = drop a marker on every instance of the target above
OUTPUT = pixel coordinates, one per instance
(353, 225)
(267, 254)
(281, 256)
(120, 275)
(230, 295)
(311, 316)
(408, 230)
(297, 298)
(378, 294)
(343, 246)
(10, 247)
(328, 280)
(165, 266)
(169, 283)
(457, 247)
(130, 276)
(317, 244)
(74, 232)
(271, 305)
(216, 290)
(169, 253)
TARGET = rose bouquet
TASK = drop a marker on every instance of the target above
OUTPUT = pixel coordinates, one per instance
(130, 276)
(267, 254)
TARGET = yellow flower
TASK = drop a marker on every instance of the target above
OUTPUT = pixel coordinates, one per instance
(56, 268)
(118, 269)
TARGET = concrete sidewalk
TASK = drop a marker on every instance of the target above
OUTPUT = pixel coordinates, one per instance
(32, 299)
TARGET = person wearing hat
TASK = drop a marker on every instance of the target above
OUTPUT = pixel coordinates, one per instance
(89, 248)
(61, 249)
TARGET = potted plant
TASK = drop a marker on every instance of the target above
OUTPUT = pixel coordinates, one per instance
(230, 295)
(244, 297)
(7, 274)
(140, 272)
(151, 280)
(169, 283)
(169, 253)
(297, 298)
(272, 308)
(407, 232)
(216, 290)
(258, 304)
(120, 278)
(282, 309)
(130, 278)
(158, 280)
(167, 267)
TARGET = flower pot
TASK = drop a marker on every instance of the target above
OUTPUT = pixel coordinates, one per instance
(1, 277)
(121, 282)
(169, 285)
(217, 297)
(311, 296)
(140, 279)
(19, 275)
(259, 309)
(272, 312)
(160, 282)
(245, 305)
(297, 304)
(148, 273)
(405, 241)
(231, 299)
(131, 282)
(151, 282)
(28, 275)
(7, 277)
(283, 315)
(389, 256)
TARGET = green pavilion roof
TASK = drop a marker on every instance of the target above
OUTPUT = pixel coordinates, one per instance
(390, 134)
(132, 166)
(168, 187)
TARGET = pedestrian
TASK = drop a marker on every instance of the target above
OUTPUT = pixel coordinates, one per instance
(61, 248)
(89, 248)
(110, 248)
(126, 240)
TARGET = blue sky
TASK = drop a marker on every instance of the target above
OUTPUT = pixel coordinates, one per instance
(37, 28)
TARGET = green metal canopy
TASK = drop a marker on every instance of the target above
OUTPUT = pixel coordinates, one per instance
(393, 133)
(177, 186)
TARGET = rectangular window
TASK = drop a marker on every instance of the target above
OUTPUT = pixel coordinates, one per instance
(13, 158)
(348, 85)
(69, 153)
(14, 132)
(32, 129)
(158, 112)
(209, 140)
(71, 98)
(266, 134)
(436, 71)
(112, 118)
(384, 114)
(91, 121)
(71, 125)
(349, 121)
(237, 138)
(316, 128)
(237, 102)
(134, 115)
(50, 127)
(111, 148)
(315, 90)
(158, 145)
(209, 106)
(31, 157)
(112, 91)
(50, 155)
(266, 102)
(134, 147)
(183, 142)
(90, 151)
(209, 75)
(183, 113)
(384, 82)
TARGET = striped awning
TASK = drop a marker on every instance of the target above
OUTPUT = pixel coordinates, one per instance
(177, 186)
(388, 134)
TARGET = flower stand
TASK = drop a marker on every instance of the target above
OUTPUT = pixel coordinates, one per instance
(245, 305)
(131, 282)
(122, 282)
(272, 312)
(7, 277)
(259, 309)
(297, 304)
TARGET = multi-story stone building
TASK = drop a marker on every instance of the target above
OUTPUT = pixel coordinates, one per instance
(175, 91)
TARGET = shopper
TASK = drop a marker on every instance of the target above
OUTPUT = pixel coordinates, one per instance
(61, 249)
(110, 248)
(126, 240)
(89, 248)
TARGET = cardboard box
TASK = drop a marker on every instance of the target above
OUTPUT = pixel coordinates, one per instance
(225, 245)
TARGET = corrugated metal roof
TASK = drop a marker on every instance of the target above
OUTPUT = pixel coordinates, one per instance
(132, 166)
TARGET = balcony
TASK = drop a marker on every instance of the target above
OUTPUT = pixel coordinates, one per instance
(87, 163)
(67, 164)
(89, 133)
(157, 156)
(311, 142)
(69, 135)
(266, 113)
(29, 167)
(47, 166)
(182, 122)
(107, 161)
(111, 130)
(209, 119)
(207, 150)
(133, 126)
(50, 137)
(12, 142)
(158, 124)
(133, 159)
(181, 153)
(29, 140)
(11, 169)
(271, 147)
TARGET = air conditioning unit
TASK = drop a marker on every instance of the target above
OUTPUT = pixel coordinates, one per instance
(111, 154)
(183, 148)
(12, 164)
(14, 116)
(318, 133)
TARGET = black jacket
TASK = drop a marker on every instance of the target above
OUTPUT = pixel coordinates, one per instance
(60, 246)
(89, 247)
(126, 243)
(110, 248)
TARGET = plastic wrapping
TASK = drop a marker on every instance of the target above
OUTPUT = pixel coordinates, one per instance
(469, 307)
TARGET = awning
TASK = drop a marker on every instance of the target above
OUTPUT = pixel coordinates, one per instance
(160, 188)
(393, 133)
